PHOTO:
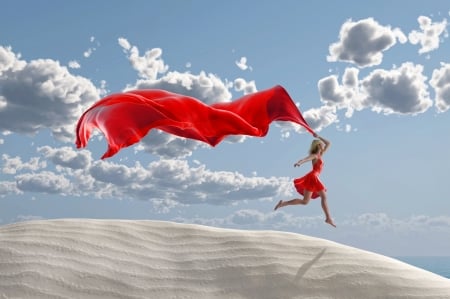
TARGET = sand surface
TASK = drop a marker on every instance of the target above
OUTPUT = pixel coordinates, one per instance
(82, 258)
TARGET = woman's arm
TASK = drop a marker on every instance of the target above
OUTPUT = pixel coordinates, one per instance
(309, 158)
(325, 141)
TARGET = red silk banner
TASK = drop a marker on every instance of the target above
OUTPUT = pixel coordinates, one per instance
(125, 118)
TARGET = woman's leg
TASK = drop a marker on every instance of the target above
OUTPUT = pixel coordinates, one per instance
(295, 201)
(323, 197)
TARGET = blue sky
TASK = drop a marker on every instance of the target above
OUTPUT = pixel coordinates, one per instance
(373, 78)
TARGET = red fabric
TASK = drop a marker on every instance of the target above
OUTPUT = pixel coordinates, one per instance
(125, 118)
(311, 181)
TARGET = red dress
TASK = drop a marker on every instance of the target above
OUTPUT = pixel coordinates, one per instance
(311, 181)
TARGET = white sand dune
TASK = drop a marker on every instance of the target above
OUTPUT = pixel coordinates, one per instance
(79, 258)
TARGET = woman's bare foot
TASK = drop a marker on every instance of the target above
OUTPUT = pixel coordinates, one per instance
(330, 222)
(278, 205)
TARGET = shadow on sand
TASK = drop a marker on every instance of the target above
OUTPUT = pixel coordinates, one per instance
(273, 282)
(306, 266)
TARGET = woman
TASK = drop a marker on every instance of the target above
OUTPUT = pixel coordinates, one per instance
(310, 185)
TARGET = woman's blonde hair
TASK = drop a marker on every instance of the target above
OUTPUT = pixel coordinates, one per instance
(314, 149)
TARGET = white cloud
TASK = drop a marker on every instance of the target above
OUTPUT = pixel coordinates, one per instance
(91, 50)
(244, 86)
(168, 146)
(440, 81)
(401, 90)
(88, 52)
(372, 223)
(342, 96)
(346, 128)
(322, 117)
(167, 181)
(45, 182)
(118, 174)
(242, 64)
(331, 91)
(249, 218)
(12, 165)
(9, 61)
(172, 181)
(67, 157)
(149, 65)
(208, 88)
(123, 42)
(382, 222)
(430, 34)
(41, 94)
(317, 119)
(8, 188)
(73, 64)
(198, 184)
(363, 42)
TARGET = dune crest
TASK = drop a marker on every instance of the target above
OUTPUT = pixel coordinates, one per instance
(81, 258)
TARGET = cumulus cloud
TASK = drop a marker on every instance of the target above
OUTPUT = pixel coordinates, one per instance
(322, 117)
(243, 86)
(118, 174)
(342, 96)
(430, 34)
(168, 146)
(208, 88)
(193, 184)
(154, 74)
(8, 188)
(440, 81)
(12, 165)
(66, 157)
(166, 181)
(45, 182)
(41, 94)
(9, 61)
(363, 42)
(149, 65)
(330, 90)
(173, 182)
(401, 90)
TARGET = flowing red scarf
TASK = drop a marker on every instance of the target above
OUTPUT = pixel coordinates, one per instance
(125, 118)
